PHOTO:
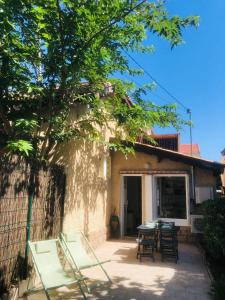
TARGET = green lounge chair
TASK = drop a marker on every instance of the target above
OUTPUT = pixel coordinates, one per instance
(82, 255)
(49, 267)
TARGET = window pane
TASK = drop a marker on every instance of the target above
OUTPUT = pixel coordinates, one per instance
(171, 197)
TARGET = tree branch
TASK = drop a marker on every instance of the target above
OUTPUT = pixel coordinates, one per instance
(61, 35)
(118, 19)
(44, 144)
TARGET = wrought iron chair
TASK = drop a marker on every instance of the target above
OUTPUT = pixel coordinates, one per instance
(168, 242)
(146, 243)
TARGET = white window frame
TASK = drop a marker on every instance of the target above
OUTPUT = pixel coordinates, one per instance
(178, 222)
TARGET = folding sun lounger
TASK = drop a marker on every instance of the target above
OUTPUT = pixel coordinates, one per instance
(49, 267)
(82, 255)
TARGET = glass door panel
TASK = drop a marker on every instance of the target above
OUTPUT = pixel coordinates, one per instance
(171, 197)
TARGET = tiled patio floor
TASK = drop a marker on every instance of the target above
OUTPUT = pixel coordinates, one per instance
(187, 280)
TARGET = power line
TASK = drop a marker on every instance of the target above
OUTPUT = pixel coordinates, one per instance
(157, 82)
(116, 21)
(188, 110)
(146, 72)
(153, 92)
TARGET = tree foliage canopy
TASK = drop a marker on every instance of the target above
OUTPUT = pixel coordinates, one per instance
(48, 49)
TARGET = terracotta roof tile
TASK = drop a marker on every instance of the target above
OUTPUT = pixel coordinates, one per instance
(186, 149)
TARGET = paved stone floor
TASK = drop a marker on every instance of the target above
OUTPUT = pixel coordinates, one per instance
(132, 280)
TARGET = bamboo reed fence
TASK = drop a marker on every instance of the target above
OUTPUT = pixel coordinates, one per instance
(31, 207)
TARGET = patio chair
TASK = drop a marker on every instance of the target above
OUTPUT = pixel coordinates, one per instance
(169, 242)
(48, 266)
(82, 256)
(147, 242)
(154, 225)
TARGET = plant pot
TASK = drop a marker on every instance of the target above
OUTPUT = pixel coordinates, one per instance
(114, 226)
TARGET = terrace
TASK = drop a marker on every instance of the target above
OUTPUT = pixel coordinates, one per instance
(186, 280)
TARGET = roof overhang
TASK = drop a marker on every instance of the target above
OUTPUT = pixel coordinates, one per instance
(161, 153)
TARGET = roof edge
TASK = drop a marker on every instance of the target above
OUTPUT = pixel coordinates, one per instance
(174, 155)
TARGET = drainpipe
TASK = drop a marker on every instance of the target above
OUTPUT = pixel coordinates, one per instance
(190, 120)
(193, 181)
(62, 203)
(29, 219)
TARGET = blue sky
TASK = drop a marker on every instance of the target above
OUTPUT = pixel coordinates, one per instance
(194, 72)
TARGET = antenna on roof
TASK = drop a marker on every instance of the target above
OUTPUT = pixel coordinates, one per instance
(190, 119)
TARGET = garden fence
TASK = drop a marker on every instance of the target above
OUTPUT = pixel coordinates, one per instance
(31, 207)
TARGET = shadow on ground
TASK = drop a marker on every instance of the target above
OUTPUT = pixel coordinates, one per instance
(134, 280)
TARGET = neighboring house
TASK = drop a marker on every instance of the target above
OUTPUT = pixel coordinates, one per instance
(155, 183)
(172, 142)
(188, 149)
(167, 141)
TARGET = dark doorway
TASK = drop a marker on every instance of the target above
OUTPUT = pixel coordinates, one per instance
(132, 204)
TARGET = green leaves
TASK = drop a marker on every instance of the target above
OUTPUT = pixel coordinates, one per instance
(214, 228)
(25, 125)
(214, 244)
(48, 49)
(20, 147)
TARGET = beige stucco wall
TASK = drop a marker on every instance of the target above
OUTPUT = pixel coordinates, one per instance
(205, 177)
(87, 197)
(139, 161)
(142, 161)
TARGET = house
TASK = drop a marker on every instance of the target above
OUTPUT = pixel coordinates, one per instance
(223, 175)
(158, 182)
(172, 142)
(193, 150)
(167, 141)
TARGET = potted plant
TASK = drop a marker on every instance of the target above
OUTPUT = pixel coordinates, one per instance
(114, 225)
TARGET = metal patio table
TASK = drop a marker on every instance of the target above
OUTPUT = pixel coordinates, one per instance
(151, 229)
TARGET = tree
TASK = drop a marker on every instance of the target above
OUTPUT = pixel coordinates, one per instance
(49, 49)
